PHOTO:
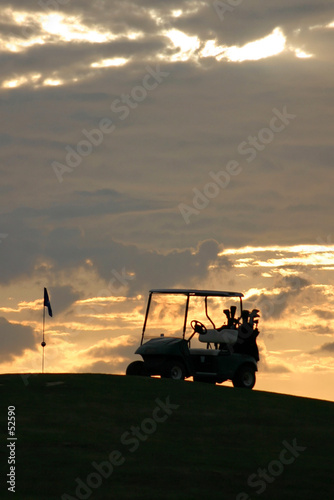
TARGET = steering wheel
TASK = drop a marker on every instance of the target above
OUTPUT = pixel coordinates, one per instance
(198, 327)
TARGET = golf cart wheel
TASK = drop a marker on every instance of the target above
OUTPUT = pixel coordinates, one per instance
(137, 368)
(175, 370)
(245, 377)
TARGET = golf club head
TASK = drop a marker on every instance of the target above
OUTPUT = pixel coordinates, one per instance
(245, 316)
(233, 311)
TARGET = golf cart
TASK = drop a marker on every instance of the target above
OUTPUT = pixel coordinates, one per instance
(208, 354)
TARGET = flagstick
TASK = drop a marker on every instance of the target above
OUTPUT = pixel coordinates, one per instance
(43, 343)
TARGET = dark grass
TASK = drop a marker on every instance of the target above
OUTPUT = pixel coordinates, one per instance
(206, 449)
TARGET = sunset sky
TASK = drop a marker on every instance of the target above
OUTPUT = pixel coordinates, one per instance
(166, 144)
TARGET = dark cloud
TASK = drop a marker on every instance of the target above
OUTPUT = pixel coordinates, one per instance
(329, 347)
(326, 349)
(62, 298)
(154, 269)
(188, 127)
(69, 248)
(254, 19)
(293, 283)
(14, 340)
(91, 204)
(323, 314)
(272, 305)
(319, 329)
(19, 251)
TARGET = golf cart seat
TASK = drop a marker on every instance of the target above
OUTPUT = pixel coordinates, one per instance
(204, 352)
(226, 336)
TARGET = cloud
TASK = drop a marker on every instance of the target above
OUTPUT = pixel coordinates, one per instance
(14, 340)
(326, 349)
(318, 328)
(123, 346)
(97, 203)
(62, 298)
(70, 248)
(273, 304)
(112, 366)
(20, 249)
(100, 367)
(266, 366)
(323, 314)
(273, 368)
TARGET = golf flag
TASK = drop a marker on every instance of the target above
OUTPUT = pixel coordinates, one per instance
(47, 301)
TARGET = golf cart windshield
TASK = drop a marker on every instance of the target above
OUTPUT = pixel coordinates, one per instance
(170, 311)
(165, 316)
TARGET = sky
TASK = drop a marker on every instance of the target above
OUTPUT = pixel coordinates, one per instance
(166, 144)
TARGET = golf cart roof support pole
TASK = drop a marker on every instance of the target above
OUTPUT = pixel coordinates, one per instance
(206, 312)
(146, 316)
(241, 305)
(186, 316)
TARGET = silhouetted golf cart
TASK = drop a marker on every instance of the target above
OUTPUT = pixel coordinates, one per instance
(229, 352)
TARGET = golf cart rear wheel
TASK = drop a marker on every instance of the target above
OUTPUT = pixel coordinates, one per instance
(245, 377)
(137, 368)
(174, 370)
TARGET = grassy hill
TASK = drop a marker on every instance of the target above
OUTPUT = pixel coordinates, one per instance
(108, 437)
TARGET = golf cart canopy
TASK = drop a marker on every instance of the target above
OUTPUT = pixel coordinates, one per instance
(189, 295)
(198, 293)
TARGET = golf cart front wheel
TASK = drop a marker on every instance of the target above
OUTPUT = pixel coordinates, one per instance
(245, 377)
(175, 370)
(137, 368)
